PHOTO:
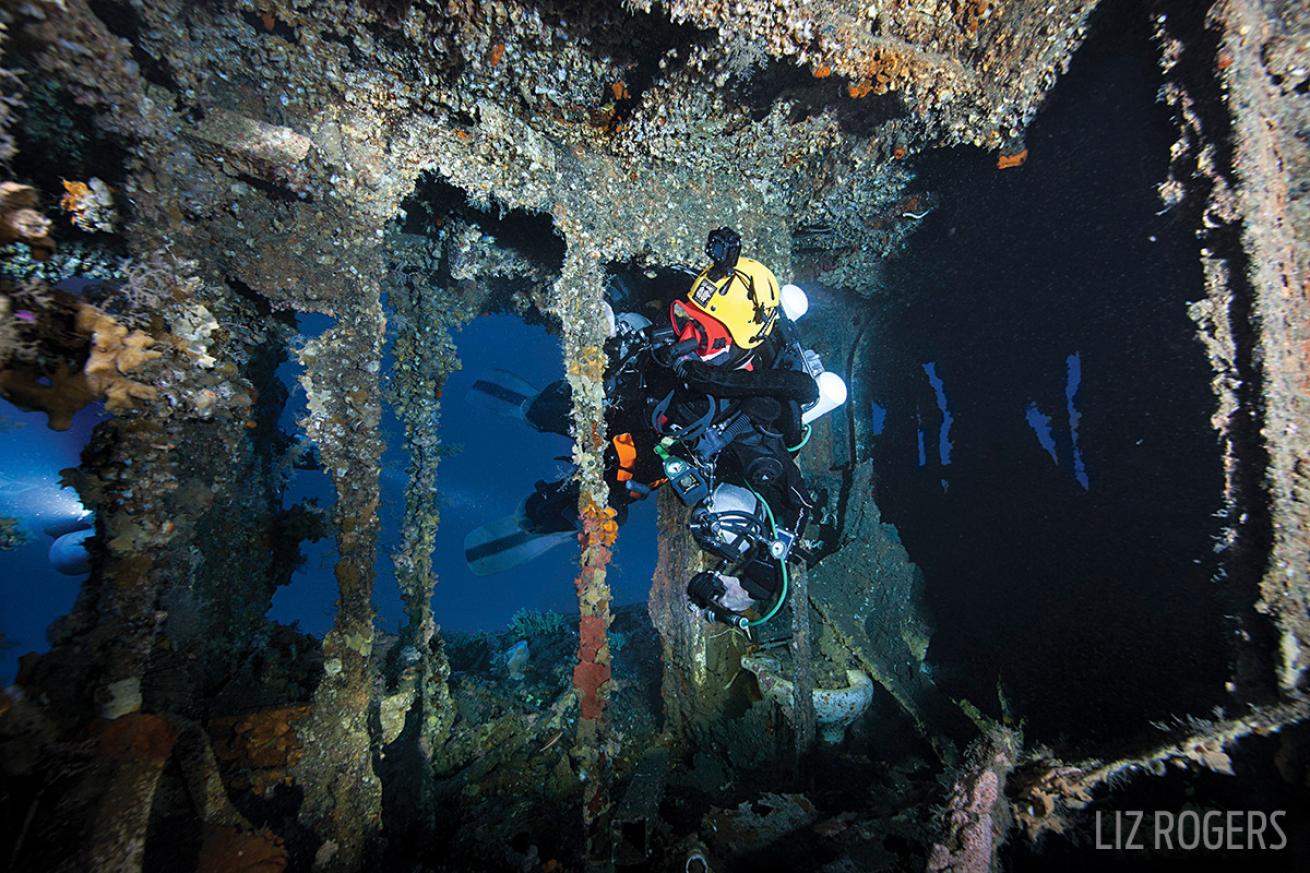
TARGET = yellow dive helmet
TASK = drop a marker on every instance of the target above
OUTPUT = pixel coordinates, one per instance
(739, 293)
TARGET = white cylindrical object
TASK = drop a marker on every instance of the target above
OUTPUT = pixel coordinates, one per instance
(795, 303)
(832, 393)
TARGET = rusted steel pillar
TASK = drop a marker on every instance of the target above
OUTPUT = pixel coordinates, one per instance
(424, 354)
(579, 303)
(699, 662)
(803, 707)
(343, 795)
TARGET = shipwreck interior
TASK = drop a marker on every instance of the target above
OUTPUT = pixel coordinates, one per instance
(1069, 488)
(256, 255)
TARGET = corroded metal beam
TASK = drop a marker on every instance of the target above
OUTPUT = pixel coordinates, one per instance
(1263, 68)
(802, 659)
(343, 795)
(579, 304)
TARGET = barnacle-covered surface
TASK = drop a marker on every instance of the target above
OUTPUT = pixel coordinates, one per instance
(288, 147)
(227, 164)
(1239, 175)
(1263, 58)
(343, 794)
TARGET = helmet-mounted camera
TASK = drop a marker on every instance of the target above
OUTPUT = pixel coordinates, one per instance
(723, 248)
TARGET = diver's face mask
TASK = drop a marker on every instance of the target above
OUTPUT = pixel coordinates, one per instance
(691, 323)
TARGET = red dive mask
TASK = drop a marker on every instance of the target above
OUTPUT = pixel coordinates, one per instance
(691, 323)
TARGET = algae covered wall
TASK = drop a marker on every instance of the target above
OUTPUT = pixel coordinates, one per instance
(230, 164)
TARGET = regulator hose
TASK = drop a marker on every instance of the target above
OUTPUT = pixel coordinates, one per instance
(805, 439)
(782, 565)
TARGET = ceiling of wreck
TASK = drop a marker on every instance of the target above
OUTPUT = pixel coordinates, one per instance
(279, 138)
(216, 169)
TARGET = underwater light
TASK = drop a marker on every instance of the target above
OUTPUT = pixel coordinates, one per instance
(832, 393)
(795, 302)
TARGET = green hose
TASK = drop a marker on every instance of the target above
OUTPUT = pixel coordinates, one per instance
(800, 445)
(782, 562)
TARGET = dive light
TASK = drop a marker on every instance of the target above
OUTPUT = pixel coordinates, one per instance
(832, 393)
(832, 390)
(795, 303)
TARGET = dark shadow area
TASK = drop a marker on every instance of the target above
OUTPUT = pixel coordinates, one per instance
(436, 203)
(125, 22)
(813, 94)
(267, 24)
(1054, 471)
(58, 140)
(646, 290)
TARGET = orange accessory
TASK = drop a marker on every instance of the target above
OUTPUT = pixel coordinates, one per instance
(626, 449)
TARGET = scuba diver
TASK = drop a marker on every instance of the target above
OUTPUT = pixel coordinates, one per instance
(715, 404)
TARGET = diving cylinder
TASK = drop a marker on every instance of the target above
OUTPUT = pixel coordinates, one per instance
(832, 393)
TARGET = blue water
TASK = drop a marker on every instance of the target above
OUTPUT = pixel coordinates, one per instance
(918, 433)
(32, 592)
(496, 466)
(1074, 377)
(310, 599)
(491, 466)
(944, 432)
(879, 413)
(1040, 422)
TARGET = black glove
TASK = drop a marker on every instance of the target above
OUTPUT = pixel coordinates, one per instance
(705, 589)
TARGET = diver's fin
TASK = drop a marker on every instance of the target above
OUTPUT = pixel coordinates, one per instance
(503, 393)
(504, 544)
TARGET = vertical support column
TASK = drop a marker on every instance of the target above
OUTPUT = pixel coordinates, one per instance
(132, 577)
(803, 680)
(343, 795)
(1258, 66)
(578, 302)
(698, 664)
(424, 355)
